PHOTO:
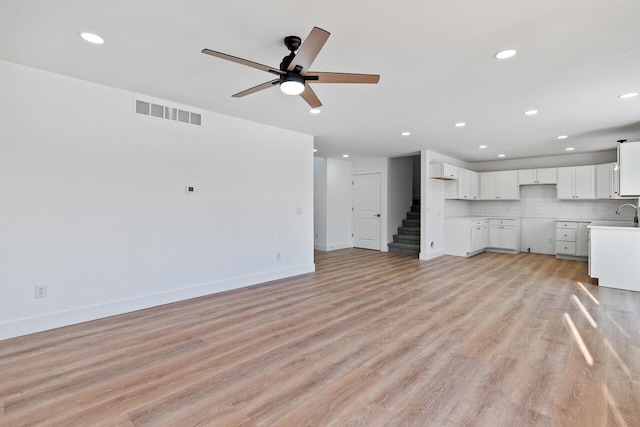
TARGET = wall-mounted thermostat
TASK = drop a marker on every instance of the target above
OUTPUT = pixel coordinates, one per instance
(190, 189)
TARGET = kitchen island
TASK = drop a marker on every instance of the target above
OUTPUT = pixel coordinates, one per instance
(615, 254)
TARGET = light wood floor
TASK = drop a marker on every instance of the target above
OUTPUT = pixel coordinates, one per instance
(369, 339)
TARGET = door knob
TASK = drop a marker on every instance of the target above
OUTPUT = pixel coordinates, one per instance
(378, 215)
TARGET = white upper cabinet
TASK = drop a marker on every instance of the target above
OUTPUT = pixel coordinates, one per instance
(499, 185)
(604, 181)
(538, 176)
(629, 161)
(608, 182)
(577, 182)
(465, 187)
(443, 171)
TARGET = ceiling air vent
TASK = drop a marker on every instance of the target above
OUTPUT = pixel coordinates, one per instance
(166, 112)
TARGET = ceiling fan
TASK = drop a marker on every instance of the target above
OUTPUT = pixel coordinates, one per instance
(294, 75)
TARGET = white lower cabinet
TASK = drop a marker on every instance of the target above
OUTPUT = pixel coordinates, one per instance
(479, 236)
(470, 236)
(466, 236)
(504, 234)
(572, 239)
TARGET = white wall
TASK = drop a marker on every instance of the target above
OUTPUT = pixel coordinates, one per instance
(399, 193)
(376, 165)
(94, 203)
(320, 203)
(577, 159)
(432, 205)
(416, 177)
(339, 203)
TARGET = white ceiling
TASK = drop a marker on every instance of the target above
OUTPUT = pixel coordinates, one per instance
(435, 59)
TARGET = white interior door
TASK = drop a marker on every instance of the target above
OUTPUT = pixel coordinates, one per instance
(366, 211)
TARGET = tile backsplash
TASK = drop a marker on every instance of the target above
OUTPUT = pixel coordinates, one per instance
(539, 201)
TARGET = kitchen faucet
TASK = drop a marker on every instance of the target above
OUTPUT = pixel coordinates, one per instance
(636, 208)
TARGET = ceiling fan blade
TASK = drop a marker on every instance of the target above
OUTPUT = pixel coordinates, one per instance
(255, 89)
(242, 61)
(341, 77)
(309, 50)
(310, 96)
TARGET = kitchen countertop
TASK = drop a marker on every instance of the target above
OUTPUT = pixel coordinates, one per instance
(472, 218)
(614, 225)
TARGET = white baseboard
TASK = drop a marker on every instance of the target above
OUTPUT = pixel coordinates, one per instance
(19, 327)
(323, 248)
(431, 255)
(336, 246)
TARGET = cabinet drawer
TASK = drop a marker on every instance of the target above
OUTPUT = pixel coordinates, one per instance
(478, 222)
(506, 222)
(573, 225)
(565, 235)
(566, 248)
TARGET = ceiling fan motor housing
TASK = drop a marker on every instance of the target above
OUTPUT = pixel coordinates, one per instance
(292, 42)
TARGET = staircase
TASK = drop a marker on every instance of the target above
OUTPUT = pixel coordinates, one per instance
(407, 241)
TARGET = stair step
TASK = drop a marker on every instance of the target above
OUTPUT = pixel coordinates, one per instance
(415, 208)
(416, 202)
(404, 248)
(411, 223)
(413, 215)
(406, 238)
(409, 231)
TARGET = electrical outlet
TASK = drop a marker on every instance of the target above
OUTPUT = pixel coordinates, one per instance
(41, 291)
(278, 256)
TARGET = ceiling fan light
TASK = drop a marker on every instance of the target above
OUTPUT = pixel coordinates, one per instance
(292, 85)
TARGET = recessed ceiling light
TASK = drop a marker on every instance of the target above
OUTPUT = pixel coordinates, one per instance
(501, 155)
(569, 148)
(315, 150)
(562, 137)
(91, 38)
(505, 54)
(315, 111)
(531, 112)
(405, 133)
(628, 95)
(482, 146)
(460, 125)
(345, 155)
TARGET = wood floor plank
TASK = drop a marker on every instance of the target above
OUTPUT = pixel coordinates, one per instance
(370, 338)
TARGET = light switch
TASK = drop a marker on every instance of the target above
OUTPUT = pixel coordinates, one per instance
(299, 210)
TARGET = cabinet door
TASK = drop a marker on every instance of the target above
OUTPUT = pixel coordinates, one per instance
(485, 236)
(629, 160)
(508, 238)
(547, 176)
(475, 186)
(582, 240)
(476, 239)
(527, 177)
(488, 183)
(464, 184)
(495, 236)
(508, 185)
(604, 181)
(585, 182)
(449, 171)
(565, 183)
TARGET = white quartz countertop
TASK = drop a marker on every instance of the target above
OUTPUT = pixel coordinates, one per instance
(472, 218)
(614, 225)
